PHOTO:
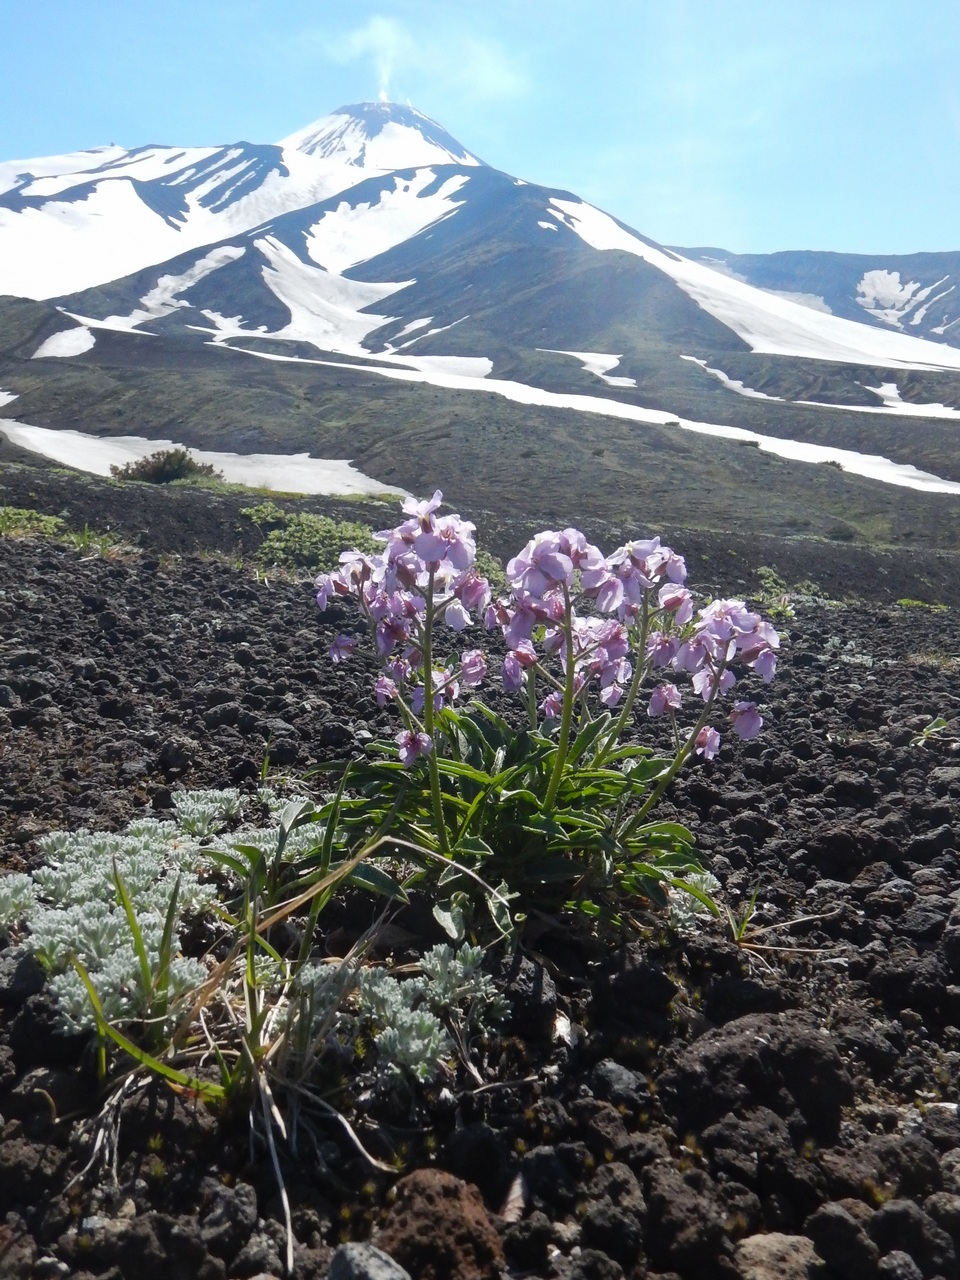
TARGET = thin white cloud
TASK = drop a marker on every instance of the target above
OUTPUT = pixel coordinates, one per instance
(381, 40)
(452, 60)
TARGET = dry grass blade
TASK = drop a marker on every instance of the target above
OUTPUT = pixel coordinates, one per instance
(271, 1117)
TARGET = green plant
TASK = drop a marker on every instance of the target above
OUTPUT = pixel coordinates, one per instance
(163, 467)
(302, 540)
(907, 603)
(22, 522)
(78, 908)
(590, 846)
(774, 595)
(90, 542)
(557, 815)
(939, 731)
(848, 652)
(282, 1027)
(751, 938)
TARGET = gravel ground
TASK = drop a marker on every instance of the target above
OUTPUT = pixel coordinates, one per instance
(722, 1111)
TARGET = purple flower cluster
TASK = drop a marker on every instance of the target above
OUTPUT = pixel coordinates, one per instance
(425, 572)
(645, 624)
(641, 586)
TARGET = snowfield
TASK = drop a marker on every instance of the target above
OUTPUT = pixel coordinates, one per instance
(871, 466)
(767, 323)
(289, 473)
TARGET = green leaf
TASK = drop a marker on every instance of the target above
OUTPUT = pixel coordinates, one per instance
(673, 830)
(146, 975)
(450, 916)
(238, 866)
(474, 846)
(161, 981)
(376, 880)
(587, 737)
(204, 1088)
(331, 814)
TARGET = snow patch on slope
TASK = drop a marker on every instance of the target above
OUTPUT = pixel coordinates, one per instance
(325, 308)
(351, 234)
(162, 299)
(69, 342)
(290, 473)
(732, 384)
(767, 323)
(596, 362)
(882, 296)
(888, 392)
(871, 466)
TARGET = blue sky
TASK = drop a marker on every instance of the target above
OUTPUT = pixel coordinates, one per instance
(749, 125)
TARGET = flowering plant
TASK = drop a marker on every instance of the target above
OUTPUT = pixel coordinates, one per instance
(556, 813)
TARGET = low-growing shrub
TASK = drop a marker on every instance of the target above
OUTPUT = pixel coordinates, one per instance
(558, 815)
(23, 522)
(165, 466)
(301, 540)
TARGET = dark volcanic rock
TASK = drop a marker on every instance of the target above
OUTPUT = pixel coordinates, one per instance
(787, 1065)
(674, 1104)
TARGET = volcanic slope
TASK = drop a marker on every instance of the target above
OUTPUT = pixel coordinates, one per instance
(463, 328)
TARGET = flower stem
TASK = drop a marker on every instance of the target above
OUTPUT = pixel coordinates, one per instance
(679, 759)
(640, 668)
(428, 722)
(532, 698)
(563, 741)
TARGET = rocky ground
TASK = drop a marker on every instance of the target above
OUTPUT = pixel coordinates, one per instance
(786, 1107)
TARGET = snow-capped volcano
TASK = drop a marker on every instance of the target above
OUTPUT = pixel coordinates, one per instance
(371, 246)
(76, 221)
(379, 136)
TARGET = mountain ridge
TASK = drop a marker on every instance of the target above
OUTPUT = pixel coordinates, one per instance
(345, 270)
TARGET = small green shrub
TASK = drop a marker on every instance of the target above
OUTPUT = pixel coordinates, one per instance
(165, 466)
(300, 540)
(22, 522)
(908, 603)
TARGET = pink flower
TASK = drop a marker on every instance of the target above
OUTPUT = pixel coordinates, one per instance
(422, 511)
(765, 665)
(412, 746)
(542, 565)
(725, 619)
(674, 566)
(385, 690)
(456, 616)
(473, 590)
(342, 648)
(678, 601)
(585, 556)
(398, 669)
(449, 539)
(708, 743)
(705, 682)
(665, 697)
(390, 632)
(473, 667)
(611, 694)
(661, 648)
(746, 719)
(552, 705)
(525, 654)
(512, 673)
(697, 651)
